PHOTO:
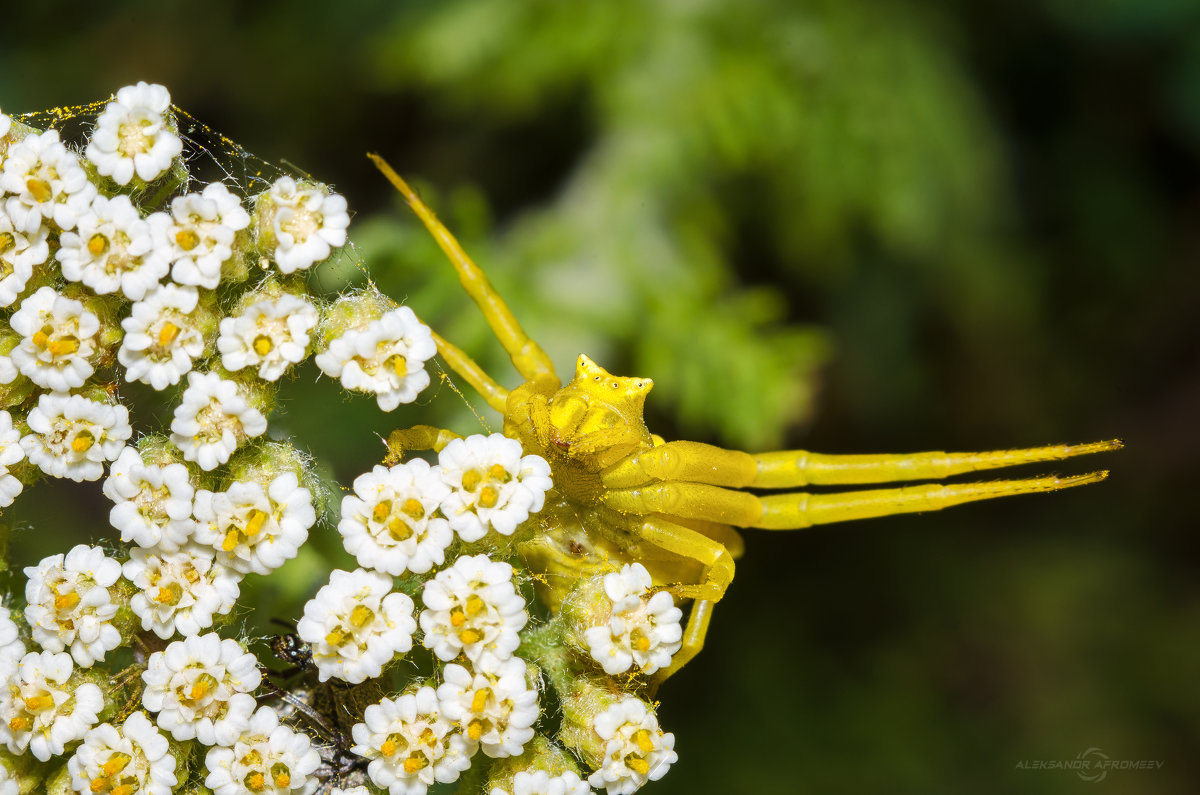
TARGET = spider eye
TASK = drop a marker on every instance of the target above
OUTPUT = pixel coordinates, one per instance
(597, 378)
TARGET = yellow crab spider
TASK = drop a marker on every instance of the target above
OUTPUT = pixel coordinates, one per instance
(622, 494)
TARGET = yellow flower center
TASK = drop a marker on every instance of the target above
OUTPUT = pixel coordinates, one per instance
(66, 601)
(187, 239)
(97, 244)
(255, 781)
(39, 189)
(471, 479)
(83, 442)
(399, 529)
(169, 594)
(263, 345)
(167, 334)
(480, 699)
(204, 684)
(361, 615)
(281, 775)
(115, 764)
(489, 496)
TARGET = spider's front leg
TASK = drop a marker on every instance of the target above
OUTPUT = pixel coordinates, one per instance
(690, 479)
(527, 356)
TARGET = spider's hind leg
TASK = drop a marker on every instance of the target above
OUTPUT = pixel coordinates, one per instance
(527, 356)
(717, 572)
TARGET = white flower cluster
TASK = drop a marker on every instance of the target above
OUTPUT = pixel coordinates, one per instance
(386, 358)
(69, 604)
(42, 708)
(131, 758)
(402, 518)
(642, 629)
(115, 266)
(539, 782)
(486, 703)
(356, 625)
(265, 757)
(635, 749)
(200, 687)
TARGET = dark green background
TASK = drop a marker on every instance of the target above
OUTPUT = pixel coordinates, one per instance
(848, 226)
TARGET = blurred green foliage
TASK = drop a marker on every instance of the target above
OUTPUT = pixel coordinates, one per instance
(721, 149)
(842, 225)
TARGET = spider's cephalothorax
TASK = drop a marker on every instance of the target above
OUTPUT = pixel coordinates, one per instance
(622, 494)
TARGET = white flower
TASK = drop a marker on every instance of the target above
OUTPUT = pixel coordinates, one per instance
(57, 337)
(355, 625)
(40, 711)
(179, 591)
(69, 604)
(73, 436)
(410, 744)
(386, 359)
(201, 688)
(641, 629)
(8, 780)
(270, 335)
(213, 419)
(390, 522)
(11, 647)
(113, 249)
(359, 790)
(635, 749)
(265, 757)
(8, 370)
(201, 232)
(5, 124)
(133, 134)
(19, 252)
(134, 759)
(252, 529)
(162, 336)
(10, 453)
(539, 782)
(153, 503)
(493, 485)
(47, 182)
(472, 608)
(307, 223)
(493, 704)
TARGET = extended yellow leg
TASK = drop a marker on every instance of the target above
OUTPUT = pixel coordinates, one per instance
(495, 395)
(802, 509)
(693, 639)
(527, 356)
(687, 543)
(799, 468)
(791, 511)
(717, 566)
(703, 463)
(418, 437)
